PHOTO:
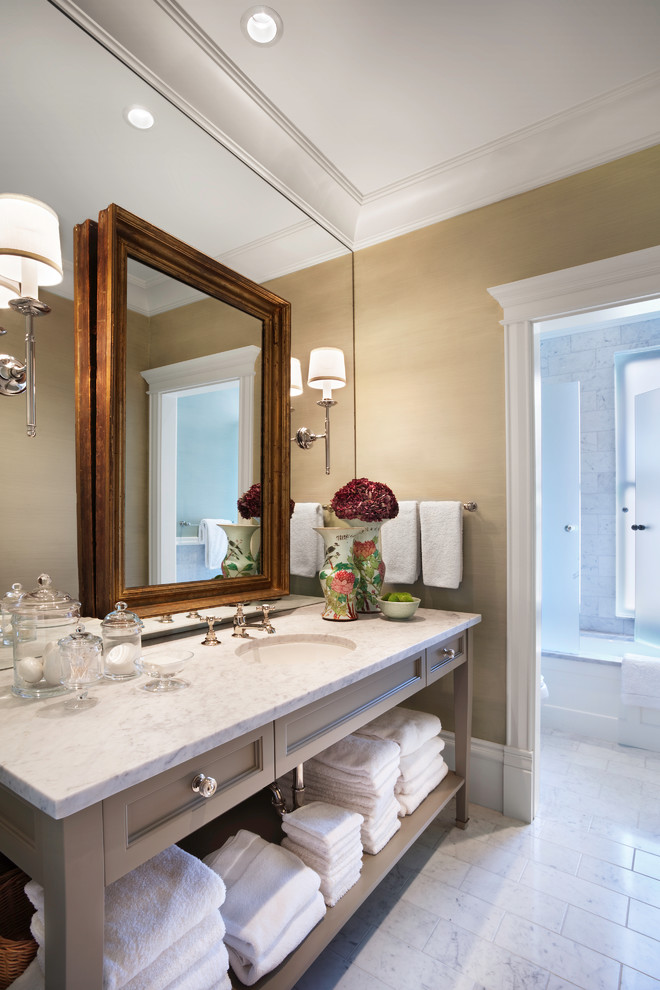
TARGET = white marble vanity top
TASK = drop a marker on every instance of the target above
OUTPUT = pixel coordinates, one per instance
(64, 761)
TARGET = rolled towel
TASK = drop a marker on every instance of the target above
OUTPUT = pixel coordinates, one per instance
(171, 969)
(640, 681)
(441, 527)
(408, 728)
(306, 546)
(413, 784)
(413, 764)
(326, 823)
(360, 756)
(214, 539)
(410, 802)
(265, 896)
(400, 545)
(174, 887)
(249, 969)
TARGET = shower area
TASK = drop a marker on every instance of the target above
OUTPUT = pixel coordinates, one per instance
(598, 391)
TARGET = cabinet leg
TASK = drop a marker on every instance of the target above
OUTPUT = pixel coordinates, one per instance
(463, 731)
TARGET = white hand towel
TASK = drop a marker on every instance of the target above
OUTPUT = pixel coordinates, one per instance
(321, 776)
(364, 804)
(173, 967)
(174, 887)
(414, 763)
(640, 680)
(364, 758)
(414, 784)
(347, 848)
(378, 838)
(214, 540)
(441, 525)
(327, 869)
(399, 539)
(326, 823)
(208, 972)
(408, 728)
(264, 900)
(306, 545)
(249, 970)
(410, 802)
(334, 892)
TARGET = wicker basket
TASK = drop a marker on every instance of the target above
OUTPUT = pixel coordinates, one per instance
(17, 947)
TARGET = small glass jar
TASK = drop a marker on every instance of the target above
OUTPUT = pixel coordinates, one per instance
(8, 600)
(122, 643)
(40, 618)
(81, 660)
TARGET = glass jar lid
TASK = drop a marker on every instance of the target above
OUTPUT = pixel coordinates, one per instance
(79, 640)
(121, 619)
(45, 602)
(11, 597)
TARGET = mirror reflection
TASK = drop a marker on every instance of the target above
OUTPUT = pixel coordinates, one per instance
(193, 430)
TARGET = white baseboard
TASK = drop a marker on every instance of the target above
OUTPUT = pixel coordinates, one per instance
(500, 777)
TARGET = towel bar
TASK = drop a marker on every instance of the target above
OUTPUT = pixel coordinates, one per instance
(470, 506)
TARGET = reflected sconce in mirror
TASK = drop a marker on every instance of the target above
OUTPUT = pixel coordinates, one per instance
(327, 371)
(30, 256)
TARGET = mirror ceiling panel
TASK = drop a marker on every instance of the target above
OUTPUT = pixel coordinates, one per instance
(66, 142)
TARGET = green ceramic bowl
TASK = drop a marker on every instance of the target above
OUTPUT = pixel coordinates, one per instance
(399, 610)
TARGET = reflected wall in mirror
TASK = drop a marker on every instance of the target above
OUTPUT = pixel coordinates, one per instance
(226, 347)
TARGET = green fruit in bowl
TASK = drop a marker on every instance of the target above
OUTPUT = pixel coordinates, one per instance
(399, 596)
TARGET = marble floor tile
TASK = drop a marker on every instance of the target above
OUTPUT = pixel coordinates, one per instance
(579, 892)
(631, 948)
(401, 967)
(645, 919)
(636, 885)
(632, 979)
(459, 907)
(648, 864)
(526, 902)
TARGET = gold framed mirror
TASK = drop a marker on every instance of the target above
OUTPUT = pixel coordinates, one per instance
(117, 535)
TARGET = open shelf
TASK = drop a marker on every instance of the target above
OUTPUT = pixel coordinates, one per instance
(374, 868)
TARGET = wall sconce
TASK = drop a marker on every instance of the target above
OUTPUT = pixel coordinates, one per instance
(327, 370)
(30, 256)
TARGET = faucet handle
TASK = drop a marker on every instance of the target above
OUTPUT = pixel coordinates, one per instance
(266, 609)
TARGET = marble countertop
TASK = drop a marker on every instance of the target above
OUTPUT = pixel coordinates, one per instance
(63, 761)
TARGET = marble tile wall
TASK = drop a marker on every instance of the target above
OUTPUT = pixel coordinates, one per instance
(588, 357)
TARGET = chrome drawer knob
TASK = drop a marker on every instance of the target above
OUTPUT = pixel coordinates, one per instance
(206, 786)
(450, 654)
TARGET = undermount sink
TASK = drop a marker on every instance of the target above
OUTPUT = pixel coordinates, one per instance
(296, 647)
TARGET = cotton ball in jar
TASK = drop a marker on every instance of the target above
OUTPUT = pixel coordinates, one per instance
(30, 669)
(120, 660)
(52, 665)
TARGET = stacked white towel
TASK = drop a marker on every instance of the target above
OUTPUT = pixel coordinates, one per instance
(421, 765)
(163, 927)
(327, 839)
(273, 902)
(358, 774)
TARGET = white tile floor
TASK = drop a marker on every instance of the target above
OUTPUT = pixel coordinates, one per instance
(572, 900)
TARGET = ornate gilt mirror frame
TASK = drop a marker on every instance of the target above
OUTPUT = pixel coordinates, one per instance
(101, 257)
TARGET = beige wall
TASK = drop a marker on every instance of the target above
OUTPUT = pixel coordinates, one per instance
(428, 373)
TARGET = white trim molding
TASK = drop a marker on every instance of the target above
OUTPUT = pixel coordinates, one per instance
(623, 279)
(500, 776)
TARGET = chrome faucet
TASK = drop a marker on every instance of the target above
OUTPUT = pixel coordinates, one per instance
(240, 624)
(265, 622)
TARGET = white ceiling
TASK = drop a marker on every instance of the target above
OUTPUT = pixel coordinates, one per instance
(372, 117)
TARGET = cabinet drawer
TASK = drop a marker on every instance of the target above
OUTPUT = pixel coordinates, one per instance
(441, 659)
(150, 816)
(307, 731)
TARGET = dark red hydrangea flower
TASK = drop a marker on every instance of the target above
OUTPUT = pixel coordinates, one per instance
(364, 499)
(249, 504)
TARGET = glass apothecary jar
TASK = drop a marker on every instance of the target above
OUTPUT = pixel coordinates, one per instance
(122, 643)
(82, 665)
(40, 618)
(8, 600)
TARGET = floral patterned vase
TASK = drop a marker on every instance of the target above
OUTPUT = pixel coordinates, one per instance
(369, 562)
(239, 560)
(339, 575)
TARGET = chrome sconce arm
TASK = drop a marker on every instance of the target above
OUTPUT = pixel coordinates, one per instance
(326, 371)
(16, 377)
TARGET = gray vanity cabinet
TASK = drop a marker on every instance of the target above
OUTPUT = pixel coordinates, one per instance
(76, 856)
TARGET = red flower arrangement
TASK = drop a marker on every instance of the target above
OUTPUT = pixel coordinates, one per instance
(364, 499)
(249, 504)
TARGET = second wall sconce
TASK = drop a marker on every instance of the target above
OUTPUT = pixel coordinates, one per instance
(327, 371)
(30, 256)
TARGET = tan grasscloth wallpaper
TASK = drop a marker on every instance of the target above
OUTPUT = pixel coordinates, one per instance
(423, 409)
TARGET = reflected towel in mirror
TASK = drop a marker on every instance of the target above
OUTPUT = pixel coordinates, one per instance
(306, 545)
(215, 541)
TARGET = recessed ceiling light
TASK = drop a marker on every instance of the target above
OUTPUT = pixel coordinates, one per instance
(262, 25)
(139, 117)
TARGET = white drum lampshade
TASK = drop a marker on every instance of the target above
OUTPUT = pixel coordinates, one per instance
(296, 378)
(30, 251)
(327, 369)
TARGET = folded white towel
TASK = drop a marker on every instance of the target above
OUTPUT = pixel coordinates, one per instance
(265, 892)
(411, 785)
(214, 539)
(334, 892)
(348, 847)
(306, 545)
(327, 869)
(318, 776)
(363, 804)
(410, 802)
(414, 763)
(376, 839)
(174, 887)
(400, 545)
(408, 728)
(176, 967)
(640, 680)
(249, 970)
(357, 755)
(441, 525)
(325, 823)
